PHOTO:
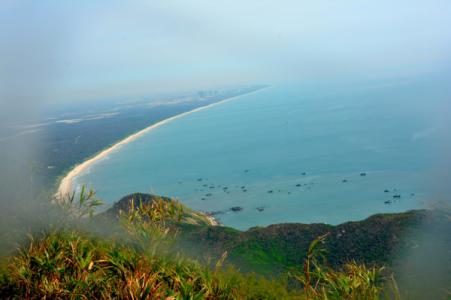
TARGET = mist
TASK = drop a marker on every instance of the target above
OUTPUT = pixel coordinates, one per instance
(86, 50)
(57, 52)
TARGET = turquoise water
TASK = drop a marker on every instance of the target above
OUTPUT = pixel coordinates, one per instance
(283, 154)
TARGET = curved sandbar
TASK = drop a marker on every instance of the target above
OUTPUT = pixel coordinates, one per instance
(65, 186)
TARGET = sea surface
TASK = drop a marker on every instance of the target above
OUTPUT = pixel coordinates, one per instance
(305, 153)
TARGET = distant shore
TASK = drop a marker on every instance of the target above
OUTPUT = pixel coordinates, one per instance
(65, 185)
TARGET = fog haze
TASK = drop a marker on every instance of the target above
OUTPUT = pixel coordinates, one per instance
(83, 50)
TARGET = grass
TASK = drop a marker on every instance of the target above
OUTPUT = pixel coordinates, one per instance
(137, 263)
(75, 265)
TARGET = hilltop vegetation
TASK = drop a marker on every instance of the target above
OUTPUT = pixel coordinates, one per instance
(140, 251)
(278, 247)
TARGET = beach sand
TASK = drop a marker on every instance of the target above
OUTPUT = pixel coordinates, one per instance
(65, 186)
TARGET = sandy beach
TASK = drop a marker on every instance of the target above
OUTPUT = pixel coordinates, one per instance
(65, 186)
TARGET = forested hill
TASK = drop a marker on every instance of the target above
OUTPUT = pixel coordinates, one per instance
(279, 247)
(376, 240)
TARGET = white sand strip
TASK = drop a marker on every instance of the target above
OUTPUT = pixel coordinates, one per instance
(65, 186)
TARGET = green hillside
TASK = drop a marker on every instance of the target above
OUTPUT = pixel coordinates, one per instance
(149, 247)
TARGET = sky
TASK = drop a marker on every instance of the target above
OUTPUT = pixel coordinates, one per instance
(86, 50)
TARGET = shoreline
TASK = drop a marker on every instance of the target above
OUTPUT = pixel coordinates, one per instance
(65, 185)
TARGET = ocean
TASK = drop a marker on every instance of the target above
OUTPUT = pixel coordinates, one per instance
(303, 153)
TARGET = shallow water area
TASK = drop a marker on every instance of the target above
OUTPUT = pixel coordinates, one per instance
(287, 154)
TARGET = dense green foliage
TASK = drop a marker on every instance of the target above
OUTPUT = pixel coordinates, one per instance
(143, 255)
(278, 248)
(281, 247)
(75, 265)
(136, 264)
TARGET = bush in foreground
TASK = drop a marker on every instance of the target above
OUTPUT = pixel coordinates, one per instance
(75, 264)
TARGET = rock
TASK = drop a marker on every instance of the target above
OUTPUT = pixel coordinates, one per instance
(214, 213)
(236, 208)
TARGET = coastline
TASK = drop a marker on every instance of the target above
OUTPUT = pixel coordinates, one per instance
(65, 185)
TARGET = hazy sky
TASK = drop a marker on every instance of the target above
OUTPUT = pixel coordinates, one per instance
(80, 50)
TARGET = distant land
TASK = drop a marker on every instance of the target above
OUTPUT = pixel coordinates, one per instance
(65, 187)
(70, 134)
